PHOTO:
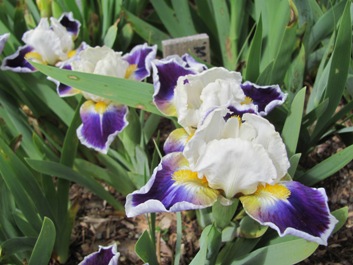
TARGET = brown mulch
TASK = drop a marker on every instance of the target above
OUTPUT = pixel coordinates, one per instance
(97, 223)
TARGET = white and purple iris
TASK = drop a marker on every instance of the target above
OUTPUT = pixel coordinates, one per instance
(49, 43)
(101, 118)
(104, 256)
(227, 150)
(236, 157)
(188, 94)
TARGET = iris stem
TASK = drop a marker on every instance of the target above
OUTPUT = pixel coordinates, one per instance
(178, 240)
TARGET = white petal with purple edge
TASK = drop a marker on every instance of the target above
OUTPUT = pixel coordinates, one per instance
(292, 209)
(101, 123)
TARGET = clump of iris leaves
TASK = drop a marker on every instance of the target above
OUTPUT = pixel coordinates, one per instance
(305, 46)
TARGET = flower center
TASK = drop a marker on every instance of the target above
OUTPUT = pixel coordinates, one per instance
(34, 56)
(247, 101)
(279, 191)
(185, 175)
(100, 107)
(130, 70)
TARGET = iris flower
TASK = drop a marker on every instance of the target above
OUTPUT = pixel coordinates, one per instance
(3, 39)
(101, 118)
(231, 157)
(190, 95)
(104, 256)
(48, 43)
(165, 76)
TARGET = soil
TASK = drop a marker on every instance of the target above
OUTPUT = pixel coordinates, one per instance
(97, 223)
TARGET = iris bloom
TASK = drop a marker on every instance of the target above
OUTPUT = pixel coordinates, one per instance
(48, 43)
(3, 39)
(104, 256)
(101, 118)
(190, 96)
(165, 75)
(232, 157)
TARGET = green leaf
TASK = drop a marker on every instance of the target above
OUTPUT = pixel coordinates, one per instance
(24, 187)
(249, 228)
(145, 249)
(295, 74)
(233, 250)
(132, 93)
(223, 214)
(110, 37)
(176, 20)
(45, 243)
(291, 128)
(200, 257)
(325, 25)
(183, 14)
(15, 245)
(339, 67)
(146, 31)
(327, 167)
(222, 19)
(61, 171)
(252, 70)
(285, 253)
(342, 216)
(294, 162)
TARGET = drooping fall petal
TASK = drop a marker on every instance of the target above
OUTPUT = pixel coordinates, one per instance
(101, 123)
(173, 187)
(292, 209)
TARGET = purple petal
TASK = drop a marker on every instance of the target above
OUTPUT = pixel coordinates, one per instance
(176, 141)
(292, 209)
(141, 56)
(62, 89)
(17, 62)
(3, 40)
(193, 64)
(165, 76)
(239, 110)
(72, 25)
(265, 98)
(173, 187)
(104, 256)
(101, 123)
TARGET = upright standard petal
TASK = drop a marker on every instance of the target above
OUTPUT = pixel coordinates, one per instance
(197, 94)
(233, 155)
(52, 42)
(140, 58)
(265, 98)
(3, 39)
(72, 25)
(292, 209)
(173, 187)
(17, 61)
(104, 256)
(101, 123)
(165, 76)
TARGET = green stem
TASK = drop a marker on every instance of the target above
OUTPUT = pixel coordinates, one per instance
(178, 240)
